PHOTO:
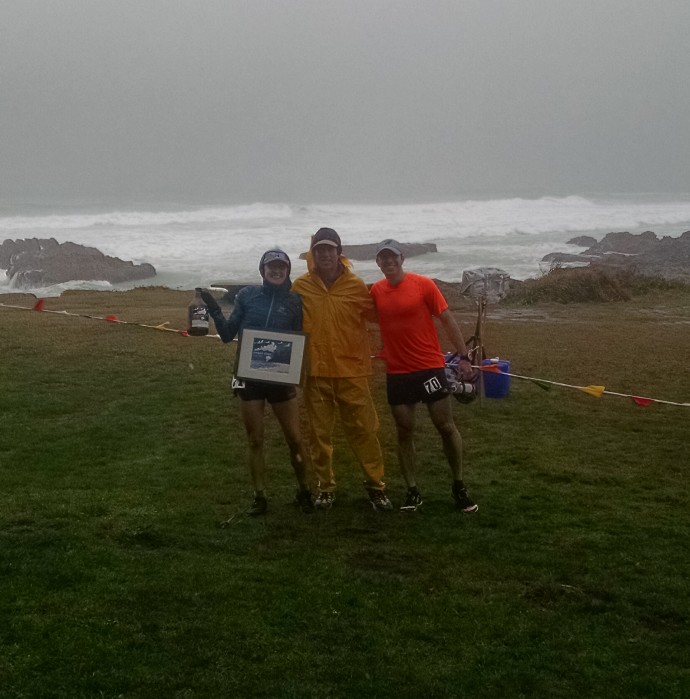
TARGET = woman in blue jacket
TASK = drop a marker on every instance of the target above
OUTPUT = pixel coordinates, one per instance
(270, 306)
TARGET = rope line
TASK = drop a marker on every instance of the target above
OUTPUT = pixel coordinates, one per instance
(596, 391)
(593, 390)
(39, 307)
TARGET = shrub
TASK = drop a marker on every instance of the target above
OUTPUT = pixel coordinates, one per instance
(595, 283)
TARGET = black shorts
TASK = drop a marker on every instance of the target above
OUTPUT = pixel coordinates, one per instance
(257, 390)
(426, 386)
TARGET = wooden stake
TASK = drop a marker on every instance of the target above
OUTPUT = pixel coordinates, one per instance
(480, 348)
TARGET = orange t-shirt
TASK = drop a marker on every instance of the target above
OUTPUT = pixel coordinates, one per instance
(410, 340)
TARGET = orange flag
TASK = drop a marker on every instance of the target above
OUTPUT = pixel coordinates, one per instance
(111, 318)
(39, 305)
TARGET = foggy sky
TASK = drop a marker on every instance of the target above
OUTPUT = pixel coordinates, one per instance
(342, 100)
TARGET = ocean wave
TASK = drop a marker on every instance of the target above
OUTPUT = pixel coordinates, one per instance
(54, 290)
(498, 217)
(138, 219)
(504, 216)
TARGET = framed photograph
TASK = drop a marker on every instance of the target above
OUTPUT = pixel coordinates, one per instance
(273, 356)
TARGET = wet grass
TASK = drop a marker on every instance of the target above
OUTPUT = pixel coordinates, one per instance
(127, 566)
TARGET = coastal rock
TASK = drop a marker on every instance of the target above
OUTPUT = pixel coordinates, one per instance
(584, 241)
(38, 262)
(665, 257)
(565, 258)
(367, 251)
(625, 243)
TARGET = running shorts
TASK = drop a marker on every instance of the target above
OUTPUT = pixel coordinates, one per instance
(257, 390)
(426, 386)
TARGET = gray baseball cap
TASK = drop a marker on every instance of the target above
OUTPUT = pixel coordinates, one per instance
(389, 244)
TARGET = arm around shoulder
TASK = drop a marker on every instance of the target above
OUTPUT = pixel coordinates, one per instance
(298, 314)
(368, 307)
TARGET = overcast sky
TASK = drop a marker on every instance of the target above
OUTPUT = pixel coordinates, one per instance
(343, 100)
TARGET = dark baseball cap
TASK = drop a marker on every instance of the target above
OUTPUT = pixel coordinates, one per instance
(326, 236)
(389, 244)
(274, 255)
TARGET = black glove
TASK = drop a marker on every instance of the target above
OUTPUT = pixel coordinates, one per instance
(210, 301)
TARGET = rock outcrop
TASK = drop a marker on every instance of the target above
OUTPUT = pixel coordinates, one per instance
(584, 241)
(368, 250)
(35, 262)
(665, 257)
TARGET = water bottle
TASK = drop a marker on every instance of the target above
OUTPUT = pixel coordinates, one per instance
(197, 315)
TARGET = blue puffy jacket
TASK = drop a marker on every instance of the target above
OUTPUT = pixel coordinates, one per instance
(268, 306)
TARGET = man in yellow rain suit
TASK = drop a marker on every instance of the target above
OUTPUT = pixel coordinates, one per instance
(336, 305)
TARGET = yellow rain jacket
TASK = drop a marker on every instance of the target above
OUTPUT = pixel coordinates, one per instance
(335, 320)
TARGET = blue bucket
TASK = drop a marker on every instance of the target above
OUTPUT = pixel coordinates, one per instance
(496, 385)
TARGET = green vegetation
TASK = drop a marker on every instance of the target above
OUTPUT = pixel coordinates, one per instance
(594, 283)
(128, 569)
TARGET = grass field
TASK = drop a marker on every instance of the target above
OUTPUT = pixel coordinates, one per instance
(128, 569)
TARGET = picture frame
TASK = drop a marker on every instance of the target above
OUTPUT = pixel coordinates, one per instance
(271, 356)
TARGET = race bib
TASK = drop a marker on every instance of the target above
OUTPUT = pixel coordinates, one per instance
(432, 385)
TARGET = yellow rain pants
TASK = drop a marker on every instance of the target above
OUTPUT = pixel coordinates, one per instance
(351, 399)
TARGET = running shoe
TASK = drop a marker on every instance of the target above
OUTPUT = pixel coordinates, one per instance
(324, 501)
(463, 501)
(379, 500)
(303, 499)
(413, 500)
(259, 506)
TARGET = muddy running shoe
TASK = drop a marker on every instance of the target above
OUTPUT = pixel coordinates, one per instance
(324, 501)
(463, 501)
(413, 500)
(379, 500)
(303, 499)
(259, 506)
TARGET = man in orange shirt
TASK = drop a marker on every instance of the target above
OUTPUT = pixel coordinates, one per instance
(407, 304)
(336, 305)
